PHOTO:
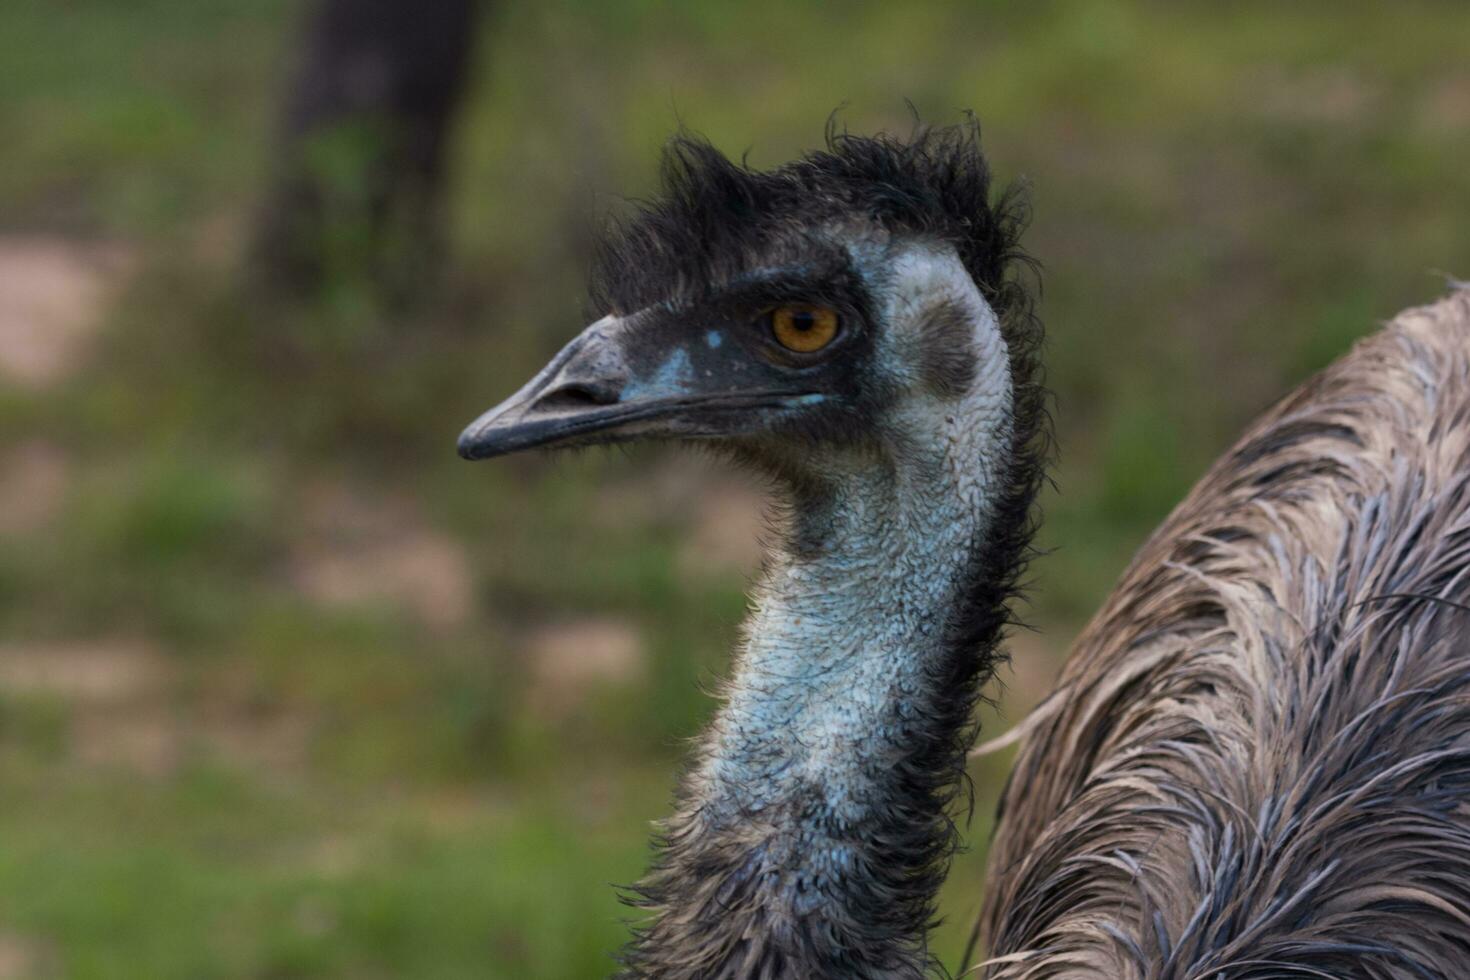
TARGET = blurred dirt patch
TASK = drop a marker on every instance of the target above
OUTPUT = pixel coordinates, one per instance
(52, 295)
(22, 958)
(94, 673)
(123, 710)
(33, 479)
(1317, 96)
(658, 495)
(567, 660)
(117, 695)
(728, 530)
(720, 511)
(1446, 106)
(146, 741)
(356, 550)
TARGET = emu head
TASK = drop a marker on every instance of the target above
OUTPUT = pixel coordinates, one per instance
(801, 317)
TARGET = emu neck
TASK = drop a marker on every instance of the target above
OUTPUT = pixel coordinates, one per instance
(832, 684)
(814, 833)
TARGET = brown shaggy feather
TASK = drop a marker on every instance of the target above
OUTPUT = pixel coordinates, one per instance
(1257, 763)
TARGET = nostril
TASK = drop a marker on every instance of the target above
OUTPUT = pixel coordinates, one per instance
(580, 394)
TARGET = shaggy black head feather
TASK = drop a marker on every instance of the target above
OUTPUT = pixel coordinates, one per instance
(716, 215)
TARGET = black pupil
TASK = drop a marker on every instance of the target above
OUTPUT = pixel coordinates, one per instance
(803, 320)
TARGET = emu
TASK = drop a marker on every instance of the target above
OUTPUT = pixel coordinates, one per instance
(857, 325)
(854, 325)
(1256, 763)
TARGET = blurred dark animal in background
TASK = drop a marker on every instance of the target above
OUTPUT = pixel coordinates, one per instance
(1257, 763)
(364, 134)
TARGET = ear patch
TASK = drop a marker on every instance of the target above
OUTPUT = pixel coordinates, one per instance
(946, 349)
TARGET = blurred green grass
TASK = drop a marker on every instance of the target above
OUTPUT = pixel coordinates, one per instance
(314, 779)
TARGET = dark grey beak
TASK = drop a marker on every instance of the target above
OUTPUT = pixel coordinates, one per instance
(631, 378)
(578, 392)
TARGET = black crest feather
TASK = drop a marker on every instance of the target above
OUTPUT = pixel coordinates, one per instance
(715, 213)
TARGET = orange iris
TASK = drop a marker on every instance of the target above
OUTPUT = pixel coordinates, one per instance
(804, 329)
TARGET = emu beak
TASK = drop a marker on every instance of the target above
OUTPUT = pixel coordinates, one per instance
(628, 378)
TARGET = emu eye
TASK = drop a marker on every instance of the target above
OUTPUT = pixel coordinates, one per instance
(804, 329)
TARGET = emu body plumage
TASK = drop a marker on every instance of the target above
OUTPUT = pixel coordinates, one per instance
(1257, 761)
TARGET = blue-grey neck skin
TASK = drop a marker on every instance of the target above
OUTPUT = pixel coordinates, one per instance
(813, 828)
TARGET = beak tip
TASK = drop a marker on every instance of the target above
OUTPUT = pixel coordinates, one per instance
(468, 445)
